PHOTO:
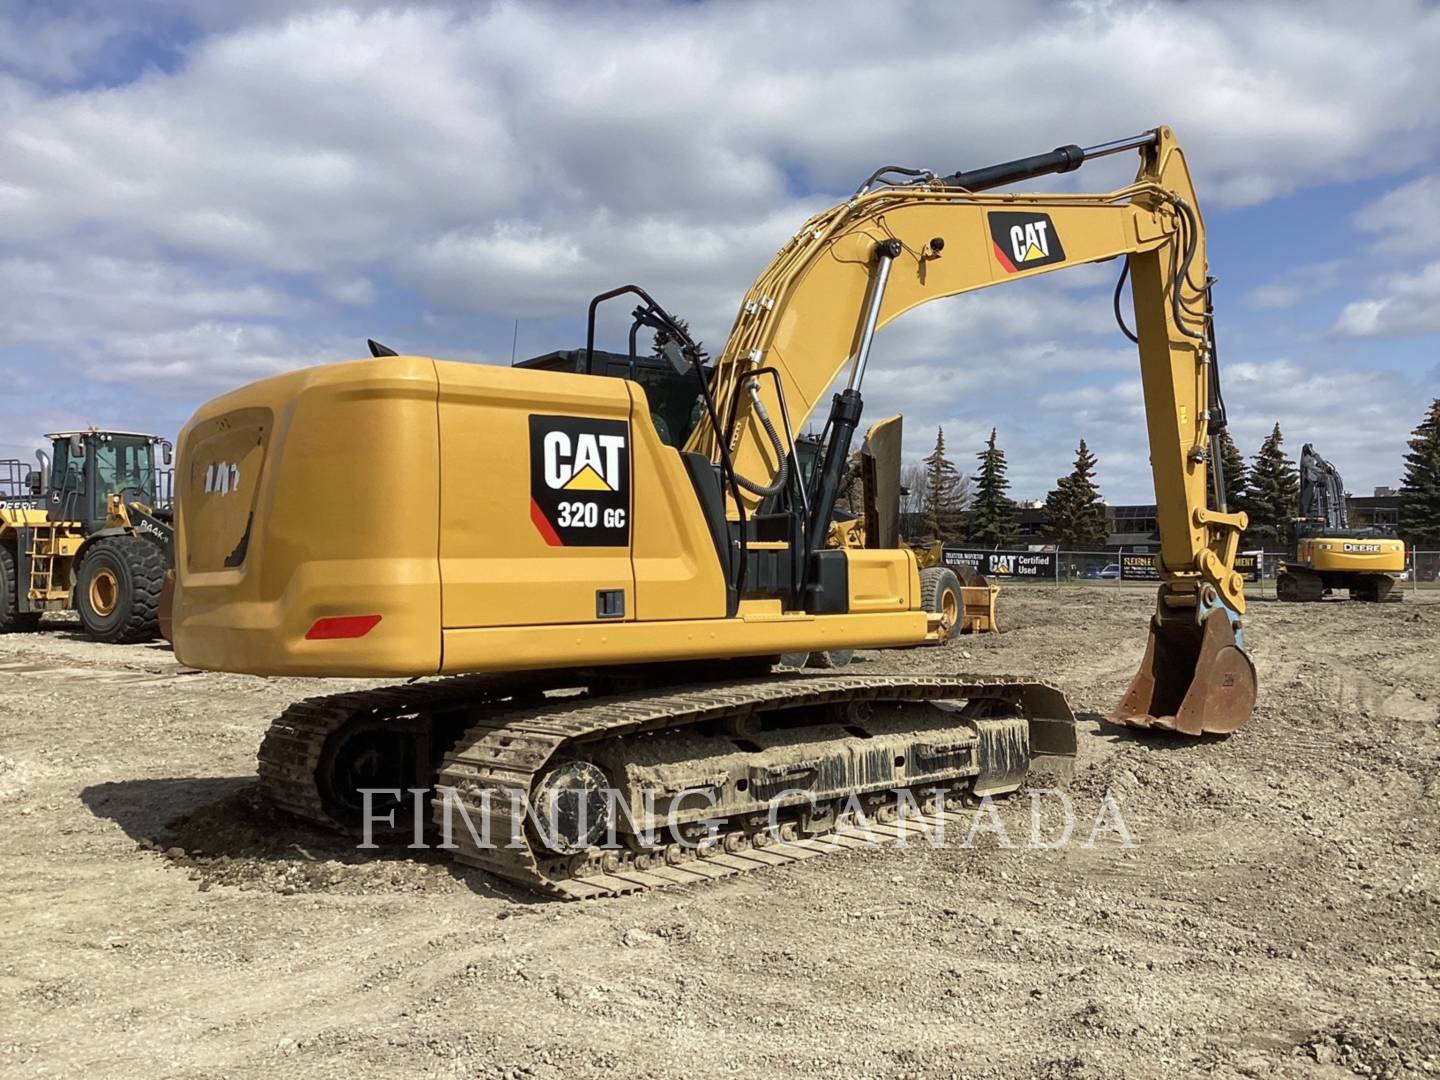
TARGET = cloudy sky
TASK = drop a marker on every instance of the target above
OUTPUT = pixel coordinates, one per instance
(197, 194)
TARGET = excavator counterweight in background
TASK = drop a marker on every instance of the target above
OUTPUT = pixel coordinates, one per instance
(651, 541)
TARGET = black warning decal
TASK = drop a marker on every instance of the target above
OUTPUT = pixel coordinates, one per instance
(1025, 241)
(580, 481)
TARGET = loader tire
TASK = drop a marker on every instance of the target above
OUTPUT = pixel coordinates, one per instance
(117, 591)
(940, 594)
(12, 619)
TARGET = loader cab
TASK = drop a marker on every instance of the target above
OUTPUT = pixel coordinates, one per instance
(89, 467)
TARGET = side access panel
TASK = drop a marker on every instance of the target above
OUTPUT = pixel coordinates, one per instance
(882, 580)
(535, 498)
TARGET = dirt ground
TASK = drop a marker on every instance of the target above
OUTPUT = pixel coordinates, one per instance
(1277, 916)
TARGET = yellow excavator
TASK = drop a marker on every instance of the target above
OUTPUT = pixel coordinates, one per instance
(1331, 555)
(608, 566)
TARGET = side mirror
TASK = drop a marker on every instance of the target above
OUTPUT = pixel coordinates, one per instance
(167, 453)
(77, 446)
(676, 356)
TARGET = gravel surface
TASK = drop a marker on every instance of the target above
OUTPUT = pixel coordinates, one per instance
(1277, 915)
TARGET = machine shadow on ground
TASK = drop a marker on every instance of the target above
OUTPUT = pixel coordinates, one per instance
(219, 831)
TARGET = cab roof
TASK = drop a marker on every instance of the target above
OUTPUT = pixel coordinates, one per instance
(101, 431)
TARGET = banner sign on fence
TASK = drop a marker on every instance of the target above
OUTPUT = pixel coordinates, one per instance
(1138, 568)
(1248, 567)
(1003, 564)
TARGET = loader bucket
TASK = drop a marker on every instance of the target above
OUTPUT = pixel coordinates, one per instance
(977, 601)
(1194, 679)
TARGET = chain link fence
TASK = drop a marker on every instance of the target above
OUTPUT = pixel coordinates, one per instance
(1136, 569)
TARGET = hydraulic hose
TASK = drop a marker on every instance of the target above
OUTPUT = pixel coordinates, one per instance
(1115, 302)
(783, 476)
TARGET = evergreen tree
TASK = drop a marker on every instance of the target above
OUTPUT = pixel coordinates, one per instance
(1074, 510)
(1272, 498)
(994, 518)
(1237, 475)
(943, 493)
(662, 337)
(1420, 492)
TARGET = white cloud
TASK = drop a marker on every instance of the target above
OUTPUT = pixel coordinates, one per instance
(1406, 220)
(1358, 418)
(70, 296)
(49, 47)
(1409, 305)
(1290, 288)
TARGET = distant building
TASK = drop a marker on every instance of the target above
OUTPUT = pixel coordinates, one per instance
(1381, 509)
(1132, 527)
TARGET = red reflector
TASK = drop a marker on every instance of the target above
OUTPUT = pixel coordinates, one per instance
(342, 626)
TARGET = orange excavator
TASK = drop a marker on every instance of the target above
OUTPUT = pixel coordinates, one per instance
(604, 557)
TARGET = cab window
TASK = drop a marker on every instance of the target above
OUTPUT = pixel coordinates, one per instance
(125, 463)
(68, 473)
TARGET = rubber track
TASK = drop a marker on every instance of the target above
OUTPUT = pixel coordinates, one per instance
(505, 754)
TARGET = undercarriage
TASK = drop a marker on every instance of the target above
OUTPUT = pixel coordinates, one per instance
(585, 786)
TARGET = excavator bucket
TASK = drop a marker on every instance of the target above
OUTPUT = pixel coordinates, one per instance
(1195, 679)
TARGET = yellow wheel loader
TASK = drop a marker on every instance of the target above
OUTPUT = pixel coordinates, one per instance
(606, 594)
(961, 593)
(1329, 554)
(85, 531)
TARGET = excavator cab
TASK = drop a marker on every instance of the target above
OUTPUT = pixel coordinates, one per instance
(675, 406)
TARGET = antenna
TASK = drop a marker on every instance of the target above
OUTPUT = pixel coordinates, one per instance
(513, 340)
